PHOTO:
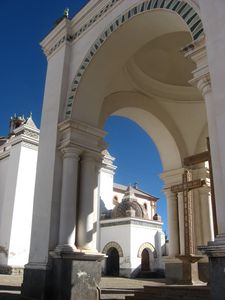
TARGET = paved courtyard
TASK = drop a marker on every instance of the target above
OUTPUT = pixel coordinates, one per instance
(10, 286)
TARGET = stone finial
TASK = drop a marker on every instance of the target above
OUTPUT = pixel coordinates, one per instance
(15, 122)
(66, 12)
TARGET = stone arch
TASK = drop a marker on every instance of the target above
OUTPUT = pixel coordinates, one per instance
(148, 246)
(113, 245)
(138, 108)
(181, 8)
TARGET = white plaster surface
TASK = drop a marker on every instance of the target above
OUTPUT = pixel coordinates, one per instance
(17, 173)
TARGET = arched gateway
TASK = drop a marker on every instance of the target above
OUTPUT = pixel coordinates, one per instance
(145, 60)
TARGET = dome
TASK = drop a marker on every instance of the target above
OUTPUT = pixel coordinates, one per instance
(129, 207)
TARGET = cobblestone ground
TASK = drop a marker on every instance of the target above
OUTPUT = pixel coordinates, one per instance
(10, 286)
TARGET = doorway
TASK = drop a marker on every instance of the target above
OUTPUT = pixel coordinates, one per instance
(145, 261)
(112, 262)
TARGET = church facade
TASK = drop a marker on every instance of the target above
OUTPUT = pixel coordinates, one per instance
(161, 64)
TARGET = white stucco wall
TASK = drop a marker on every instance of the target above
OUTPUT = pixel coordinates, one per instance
(8, 201)
(106, 188)
(17, 179)
(23, 208)
(3, 176)
(131, 237)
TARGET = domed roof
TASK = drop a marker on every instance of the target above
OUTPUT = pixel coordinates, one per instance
(129, 207)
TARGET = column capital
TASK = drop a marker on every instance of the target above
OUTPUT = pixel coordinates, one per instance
(81, 135)
(172, 177)
(71, 152)
(197, 52)
(203, 83)
(89, 156)
(170, 195)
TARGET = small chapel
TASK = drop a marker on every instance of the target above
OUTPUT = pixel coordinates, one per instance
(131, 233)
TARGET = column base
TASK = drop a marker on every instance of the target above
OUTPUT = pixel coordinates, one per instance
(72, 275)
(190, 274)
(75, 276)
(34, 281)
(216, 253)
(174, 271)
(65, 248)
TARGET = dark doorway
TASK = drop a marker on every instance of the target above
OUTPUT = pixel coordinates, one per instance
(112, 262)
(145, 263)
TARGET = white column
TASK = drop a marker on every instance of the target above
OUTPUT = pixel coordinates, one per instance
(87, 217)
(181, 222)
(213, 15)
(206, 215)
(172, 210)
(68, 208)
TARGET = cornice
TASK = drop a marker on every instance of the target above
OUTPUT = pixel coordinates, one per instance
(81, 135)
(70, 30)
(57, 37)
(4, 153)
(81, 126)
(197, 52)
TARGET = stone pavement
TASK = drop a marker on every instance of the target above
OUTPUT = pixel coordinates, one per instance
(10, 287)
(111, 288)
(119, 288)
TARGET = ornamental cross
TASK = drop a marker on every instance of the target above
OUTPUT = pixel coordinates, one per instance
(200, 158)
(185, 187)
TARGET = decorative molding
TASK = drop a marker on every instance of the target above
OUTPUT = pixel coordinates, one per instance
(93, 20)
(183, 9)
(31, 133)
(71, 152)
(113, 245)
(147, 246)
(30, 146)
(80, 135)
(155, 88)
(65, 38)
(201, 76)
(131, 221)
(203, 84)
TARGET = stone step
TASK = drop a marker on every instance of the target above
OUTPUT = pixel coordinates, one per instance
(114, 293)
(172, 293)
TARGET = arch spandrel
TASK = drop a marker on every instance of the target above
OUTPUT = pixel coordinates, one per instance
(187, 16)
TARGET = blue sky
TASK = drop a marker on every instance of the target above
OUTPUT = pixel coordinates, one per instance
(24, 24)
